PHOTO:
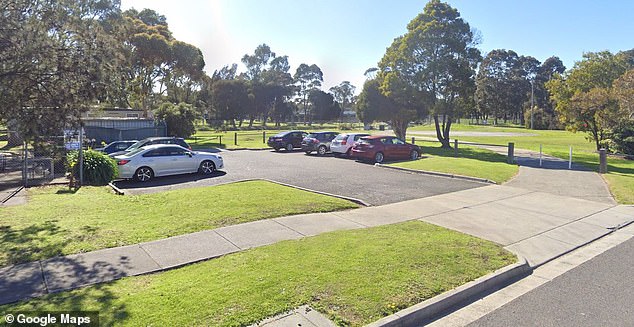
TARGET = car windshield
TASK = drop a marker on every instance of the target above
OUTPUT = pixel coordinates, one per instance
(135, 146)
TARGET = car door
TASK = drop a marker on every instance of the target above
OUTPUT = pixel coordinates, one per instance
(388, 147)
(401, 150)
(157, 159)
(297, 139)
(181, 161)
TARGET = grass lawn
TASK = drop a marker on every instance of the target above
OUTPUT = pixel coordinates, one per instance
(355, 277)
(620, 177)
(471, 161)
(56, 222)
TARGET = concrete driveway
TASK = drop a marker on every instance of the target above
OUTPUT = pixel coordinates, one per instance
(374, 185)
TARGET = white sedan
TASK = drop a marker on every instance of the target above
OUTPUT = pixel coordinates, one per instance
(342, 144)
(151, 161)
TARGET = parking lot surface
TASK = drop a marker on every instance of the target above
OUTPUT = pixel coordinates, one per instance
(374, 185)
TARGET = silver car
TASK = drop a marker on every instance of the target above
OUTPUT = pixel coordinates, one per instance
(155, 160)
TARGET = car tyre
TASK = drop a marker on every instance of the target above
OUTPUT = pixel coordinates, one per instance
(413, 155)
(143, 174)
(321, 150)
(289, 147)
(378, 157)
(207, 167)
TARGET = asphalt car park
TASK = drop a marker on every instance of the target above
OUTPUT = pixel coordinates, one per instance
(374, 185)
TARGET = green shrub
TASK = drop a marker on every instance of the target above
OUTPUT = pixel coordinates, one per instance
(623, 138)
(99, 169)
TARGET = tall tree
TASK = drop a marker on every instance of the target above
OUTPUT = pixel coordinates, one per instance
(307, 79)
(583, 95)
(231, 100)
(344, 94)
(372, 104)
(57, 58)
(324, 106)
(437, 58)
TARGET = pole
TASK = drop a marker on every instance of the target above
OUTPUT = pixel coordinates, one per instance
(532, 101)
(570, 159)
(264, 137)
(540, 155)
(603, 161)
(455, 147)
(81, 156)
(511, 153)
(413, 140)
(235, 138)
(25, 165)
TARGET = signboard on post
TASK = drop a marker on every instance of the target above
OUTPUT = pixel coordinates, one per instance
(71, 145)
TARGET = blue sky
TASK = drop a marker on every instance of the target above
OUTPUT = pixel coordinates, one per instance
(345, 37)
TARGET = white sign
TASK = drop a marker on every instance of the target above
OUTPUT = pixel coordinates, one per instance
(72, 145)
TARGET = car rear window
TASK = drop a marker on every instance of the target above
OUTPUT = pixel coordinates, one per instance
(358, 136)
(281, 134)
(313, 135)
(341, 137)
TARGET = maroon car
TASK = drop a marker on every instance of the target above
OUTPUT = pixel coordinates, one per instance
(378, 148)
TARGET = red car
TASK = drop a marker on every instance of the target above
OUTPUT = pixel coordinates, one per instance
(378, 148)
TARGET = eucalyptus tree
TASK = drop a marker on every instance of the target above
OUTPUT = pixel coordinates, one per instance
(434, 62)
(307, 78)
(344, 94)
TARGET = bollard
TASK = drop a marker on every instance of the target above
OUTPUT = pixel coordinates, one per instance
(511, 153)
(570, 159)
(263, 136)
(540, 155)
(603, 161)
(235, 138)
(413, 140)
(220, 137)
(455, 147)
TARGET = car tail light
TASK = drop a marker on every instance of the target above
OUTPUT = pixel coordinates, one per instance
(189, 147)
(315, 141)
(122, 162)
(344, 142)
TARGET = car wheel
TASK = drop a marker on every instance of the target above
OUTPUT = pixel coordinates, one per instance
(143, 174)
(321, 150)
(289, 147)
(413, 155)
(378, 157)
(207, 167)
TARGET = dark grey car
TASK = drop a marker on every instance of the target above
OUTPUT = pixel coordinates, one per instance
(318, 141)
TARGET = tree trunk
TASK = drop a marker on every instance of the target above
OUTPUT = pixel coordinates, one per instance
(400, 128)
(442, 134)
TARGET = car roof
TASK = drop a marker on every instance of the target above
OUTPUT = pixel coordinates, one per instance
(158, 146)
(162, 138)
(324, 132)
(374, 137)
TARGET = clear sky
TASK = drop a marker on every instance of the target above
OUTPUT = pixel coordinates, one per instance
(345, 37)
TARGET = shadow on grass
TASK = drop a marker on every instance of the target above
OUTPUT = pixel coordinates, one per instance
(469, 153)
(31, 243)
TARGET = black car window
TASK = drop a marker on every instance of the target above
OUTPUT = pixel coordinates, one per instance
(386, 140)
(155, 153)
(182, 143)
(122, 146)
(397, 141)
(357, 137)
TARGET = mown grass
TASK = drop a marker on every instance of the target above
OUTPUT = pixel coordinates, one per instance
(620, 176)
(354, 277)
(471, 161)
(58, 222)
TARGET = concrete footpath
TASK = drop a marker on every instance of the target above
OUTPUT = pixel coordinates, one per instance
(535, 225)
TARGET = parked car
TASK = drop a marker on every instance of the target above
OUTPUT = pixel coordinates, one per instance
(154, 140)
(318, 141)
(116, 146)
(145, 163)
(287, 140)
(379, 148)
(343, 143)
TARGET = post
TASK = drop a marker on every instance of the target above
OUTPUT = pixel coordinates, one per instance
(603, 161)
(25, 177)
(570, 159)
(532, 101)
(81, 156)
(510, 157)
(413, 140)
(235, 138)
(263, 136)
(540, 155)
(455, 147)
(220, 136)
